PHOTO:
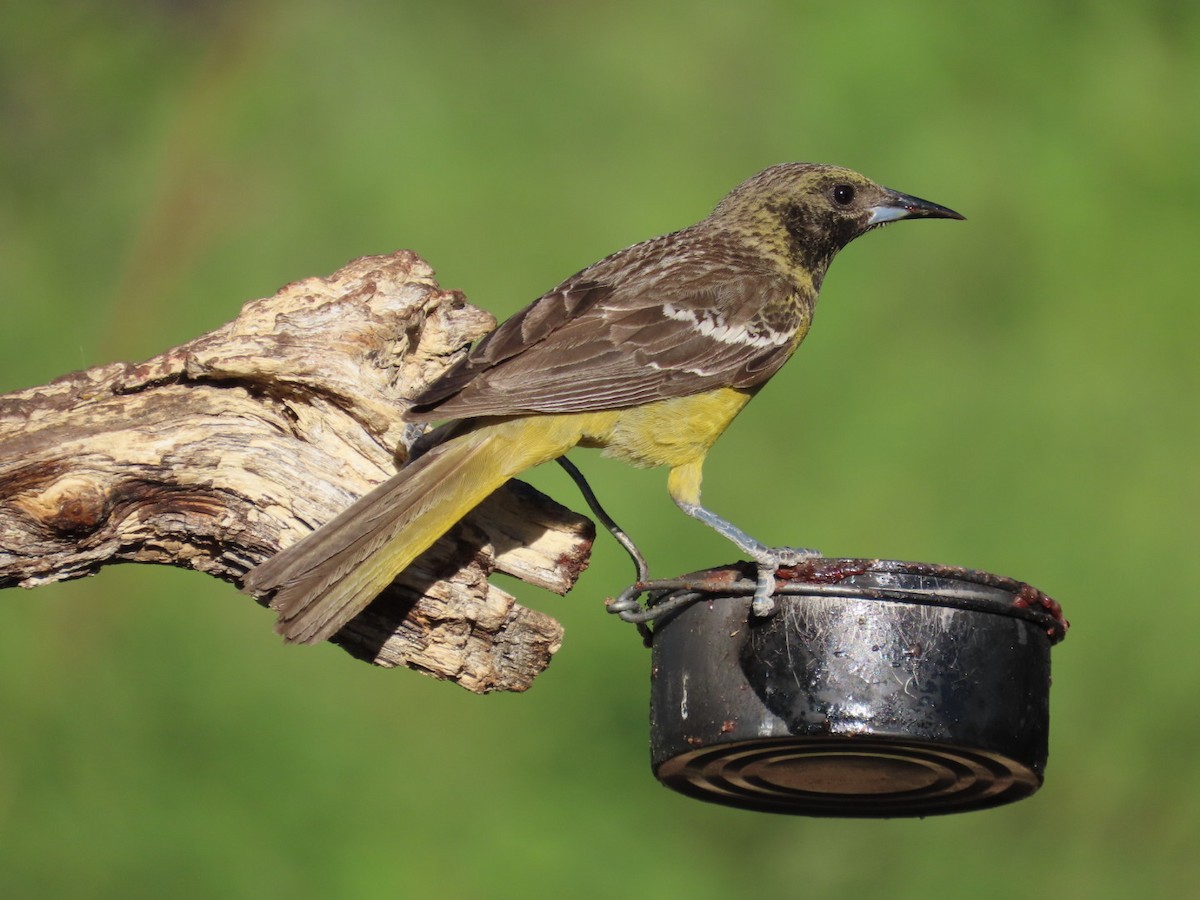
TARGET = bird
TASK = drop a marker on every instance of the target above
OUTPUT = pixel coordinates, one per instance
(648, 355)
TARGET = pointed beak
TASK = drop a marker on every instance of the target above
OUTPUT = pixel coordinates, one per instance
(903, 206)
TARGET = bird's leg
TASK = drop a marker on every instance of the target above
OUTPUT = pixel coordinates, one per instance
(639, 561)
(766, 559)
(684, 485)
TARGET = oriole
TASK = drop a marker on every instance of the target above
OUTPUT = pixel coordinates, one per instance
(648, 354)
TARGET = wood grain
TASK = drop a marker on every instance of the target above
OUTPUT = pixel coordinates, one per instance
(215, 454)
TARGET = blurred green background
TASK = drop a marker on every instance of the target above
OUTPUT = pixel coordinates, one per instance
(1015, 393)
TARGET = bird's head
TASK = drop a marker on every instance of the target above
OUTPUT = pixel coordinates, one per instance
(799, 215)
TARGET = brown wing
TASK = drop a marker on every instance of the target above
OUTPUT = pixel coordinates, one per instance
(667, 318)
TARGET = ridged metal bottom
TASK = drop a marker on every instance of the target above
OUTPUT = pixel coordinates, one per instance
(853, 777)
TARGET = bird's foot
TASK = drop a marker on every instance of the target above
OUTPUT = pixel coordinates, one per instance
(768, 563)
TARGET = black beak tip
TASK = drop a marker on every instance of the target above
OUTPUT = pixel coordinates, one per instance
(929, 210)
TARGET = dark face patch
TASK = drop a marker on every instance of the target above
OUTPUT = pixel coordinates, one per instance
(816, 233)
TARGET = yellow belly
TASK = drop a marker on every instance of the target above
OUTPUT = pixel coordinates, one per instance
(672, 432)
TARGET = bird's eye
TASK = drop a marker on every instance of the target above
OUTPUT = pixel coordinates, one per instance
(843, 193)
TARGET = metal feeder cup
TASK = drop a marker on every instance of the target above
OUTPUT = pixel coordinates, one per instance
(875, 689)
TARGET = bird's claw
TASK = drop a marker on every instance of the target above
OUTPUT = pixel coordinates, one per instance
(763, 604)
(768, 563)
(793, 556)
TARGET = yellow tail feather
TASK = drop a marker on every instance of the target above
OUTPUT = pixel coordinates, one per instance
(326, 579)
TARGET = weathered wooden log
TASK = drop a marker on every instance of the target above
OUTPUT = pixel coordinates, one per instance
(219, 452)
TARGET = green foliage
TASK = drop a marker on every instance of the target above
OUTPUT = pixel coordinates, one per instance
(1015, 393)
